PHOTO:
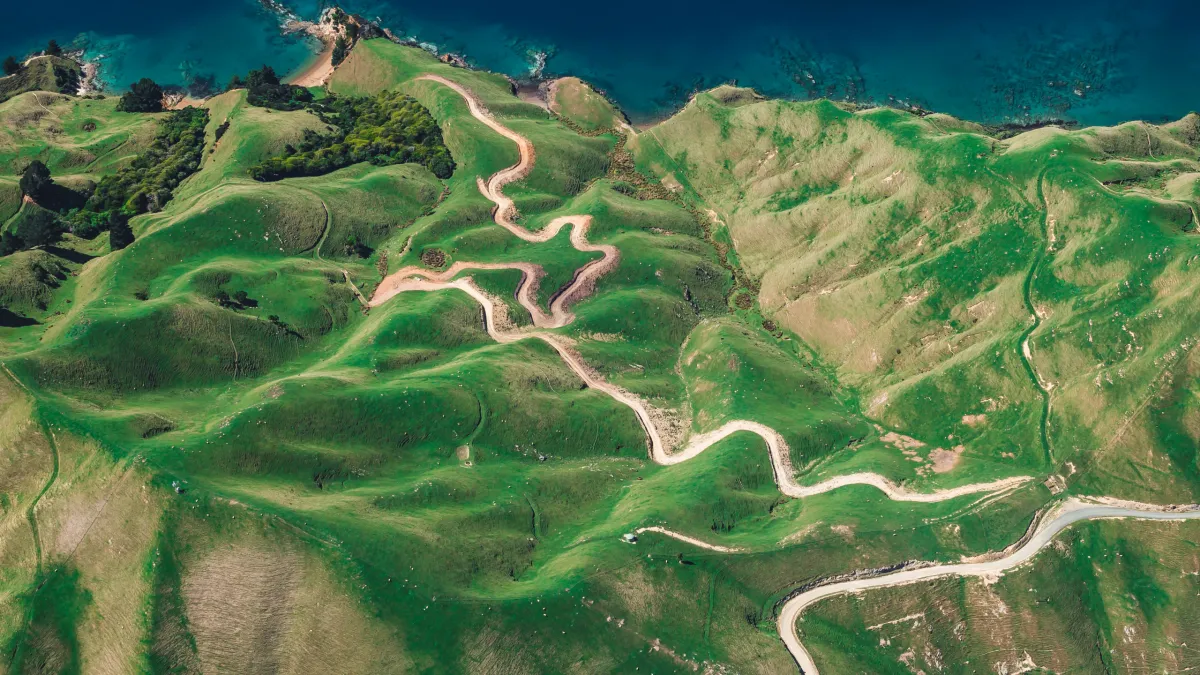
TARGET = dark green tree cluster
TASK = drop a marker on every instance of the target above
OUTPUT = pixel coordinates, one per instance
(238, 301)
(11, 66)
(120, 234)
(36, 180)
(33, 226)
(266, 91)
(143, 96)
(342, 45)
(146, 184)
(390, 128)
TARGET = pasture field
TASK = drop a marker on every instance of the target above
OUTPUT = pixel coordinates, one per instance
(217, 455)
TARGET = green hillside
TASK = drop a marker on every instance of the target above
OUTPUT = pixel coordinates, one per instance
(54, 74)
(220, 451)
(916, 256)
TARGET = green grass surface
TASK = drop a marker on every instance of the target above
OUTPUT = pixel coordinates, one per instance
(300, 485)
(55, 74)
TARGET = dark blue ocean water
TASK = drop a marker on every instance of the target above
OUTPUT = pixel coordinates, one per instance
(1097, 62)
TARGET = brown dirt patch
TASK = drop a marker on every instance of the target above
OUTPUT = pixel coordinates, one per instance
(844, 531)
(945, 460)
(900, 441)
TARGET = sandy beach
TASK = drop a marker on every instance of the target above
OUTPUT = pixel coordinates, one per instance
(317, 72)
(181, 101)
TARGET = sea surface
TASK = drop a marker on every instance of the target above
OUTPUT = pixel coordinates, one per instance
(1094, 62)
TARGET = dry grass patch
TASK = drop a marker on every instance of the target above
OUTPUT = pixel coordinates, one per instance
(103, 517)
(258, 604)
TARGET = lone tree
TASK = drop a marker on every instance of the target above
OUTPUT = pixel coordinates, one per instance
(143, 96)
(52, 49)
(35, 180)
(11, 66)
(120, 234)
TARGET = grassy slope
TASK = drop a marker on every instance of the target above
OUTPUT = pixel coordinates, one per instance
(43, 73)
(912, 253)
(579, 103)
(77, 138)
(452, 503)
(1108, 597)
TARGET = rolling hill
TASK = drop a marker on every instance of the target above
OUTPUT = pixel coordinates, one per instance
(378, 421)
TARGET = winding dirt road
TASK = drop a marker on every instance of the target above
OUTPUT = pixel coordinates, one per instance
(418, 279)
(1072, 511)
(414, 278)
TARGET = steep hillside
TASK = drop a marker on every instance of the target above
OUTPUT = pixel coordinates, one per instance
(1020, 299)
(54, 74)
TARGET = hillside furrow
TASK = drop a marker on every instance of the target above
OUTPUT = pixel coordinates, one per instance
(413, 278)
(1025, 351)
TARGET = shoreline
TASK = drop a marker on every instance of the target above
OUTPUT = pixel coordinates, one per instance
(179, 101)
(326, 30)
(317, 71)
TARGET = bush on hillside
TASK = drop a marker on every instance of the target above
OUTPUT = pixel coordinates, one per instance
(11, 66)
(143, 96)
(37, 184)
(390, 128)
(339, 51)
(266, 91)
(52, 48)
(120, 234)
(35, 226)
(35, 180)
(148, 183)
(10, 243)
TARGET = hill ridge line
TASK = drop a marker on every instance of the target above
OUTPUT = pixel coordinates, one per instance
(412, 278)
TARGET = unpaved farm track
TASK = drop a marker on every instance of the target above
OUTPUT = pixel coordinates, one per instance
(413, 278)
(1070, 512)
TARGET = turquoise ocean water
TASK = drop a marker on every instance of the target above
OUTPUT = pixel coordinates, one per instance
(1096, 62)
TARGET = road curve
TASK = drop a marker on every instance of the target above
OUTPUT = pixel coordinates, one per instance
(412, 278)
(1071, 512)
